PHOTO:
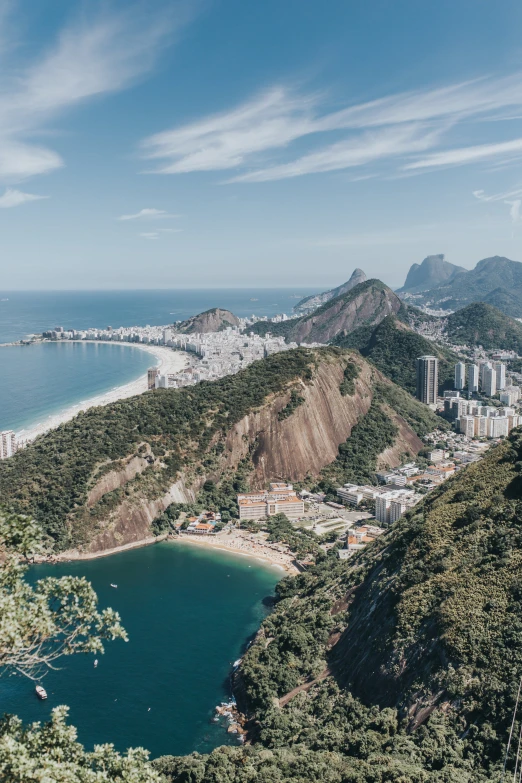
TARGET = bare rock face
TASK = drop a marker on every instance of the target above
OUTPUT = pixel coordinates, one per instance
(365, 305)
(214, 320)
(310, 303)
(290, 448)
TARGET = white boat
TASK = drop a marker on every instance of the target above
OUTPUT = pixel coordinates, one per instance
(113, 585)
(95, 662)
(41, 692)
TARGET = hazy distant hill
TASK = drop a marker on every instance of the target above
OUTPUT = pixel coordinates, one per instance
(214, 320)
(496, 280)
(481, 324)
(433, 271)
(316, 300)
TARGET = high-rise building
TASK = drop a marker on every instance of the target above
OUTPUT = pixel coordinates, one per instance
(467, 426)
(460, 375)
(481, 426)
(500, 370)
(483, 366)
(167, 336)
(473, 378)
(152, 372)
(498, 426)
(7, 444)
(490, 381)
(427, 379)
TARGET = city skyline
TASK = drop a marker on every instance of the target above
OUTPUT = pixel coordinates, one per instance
(212, 144)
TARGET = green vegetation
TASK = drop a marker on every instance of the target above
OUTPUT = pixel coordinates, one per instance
(482, 324)
(351, 372)
(280, 329)
(294, 402)
(401, 665)
(393, 348)
(357, 458)
(51, 478)
(300, 541)
(39, 623)
(55, 617)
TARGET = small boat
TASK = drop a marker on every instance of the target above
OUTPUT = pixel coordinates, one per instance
(95, 662)
(113, 585)
(41, 692)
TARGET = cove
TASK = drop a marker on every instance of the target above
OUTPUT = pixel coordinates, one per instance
(188, 612)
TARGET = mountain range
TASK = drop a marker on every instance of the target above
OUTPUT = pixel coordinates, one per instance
(496, 281)
(433, 271)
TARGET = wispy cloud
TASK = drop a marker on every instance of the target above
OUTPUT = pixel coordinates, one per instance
(14, 198)
(508, 198)
(149, 234)
(258, 135)
(149, 213)
(91, 57)
(461, 155)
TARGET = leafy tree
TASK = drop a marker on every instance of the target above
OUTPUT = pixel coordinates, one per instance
(55, 617)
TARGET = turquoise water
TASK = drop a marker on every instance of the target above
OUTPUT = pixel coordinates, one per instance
(43, 379)
(188, 612)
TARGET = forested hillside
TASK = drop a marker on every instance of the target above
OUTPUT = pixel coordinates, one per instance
(483, 324)
(400, 665)
(102, 479)
(393, 347)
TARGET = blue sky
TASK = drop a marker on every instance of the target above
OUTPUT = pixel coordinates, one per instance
(233, 143)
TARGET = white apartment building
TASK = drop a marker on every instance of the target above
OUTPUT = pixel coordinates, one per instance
(500, 370)
(498, 426)
(391, 505)
(490, 381)
(481, 426)
(473, 378)
(467, 426)
(353, 493)
(279, 499)
(460, 375)
(7, 444)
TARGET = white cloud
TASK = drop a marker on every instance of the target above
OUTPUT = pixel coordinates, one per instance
(149, 213)
(149, 234)
(508, 197)
(91, 57)
(398, 125)
(13, 198)
(514, 212)
(462, 155)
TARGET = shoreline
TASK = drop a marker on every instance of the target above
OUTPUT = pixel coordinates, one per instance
(169, 360)
(240, 542)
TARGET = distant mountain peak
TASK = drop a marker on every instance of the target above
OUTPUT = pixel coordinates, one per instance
(433, 271)
(310, 303)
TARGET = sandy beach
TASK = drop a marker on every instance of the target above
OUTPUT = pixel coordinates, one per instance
(168, 360)
(241, 542)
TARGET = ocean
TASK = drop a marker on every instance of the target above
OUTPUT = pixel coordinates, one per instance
(42, 380)
(189, 612)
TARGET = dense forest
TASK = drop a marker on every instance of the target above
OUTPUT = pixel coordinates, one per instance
(482, 324)
(401, 665)
(393, 348)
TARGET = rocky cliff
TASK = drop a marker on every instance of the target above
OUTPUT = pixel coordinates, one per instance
(364, 305)
(214, 320)
(310, 303)
(433, 271)
(99, 481)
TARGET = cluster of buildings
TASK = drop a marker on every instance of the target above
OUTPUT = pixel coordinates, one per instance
(220, 353)
(281, 498)
(390, 504)
(488, 377)
(204, 524)
(8, 444)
